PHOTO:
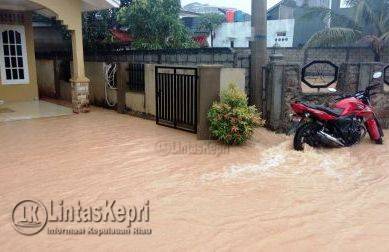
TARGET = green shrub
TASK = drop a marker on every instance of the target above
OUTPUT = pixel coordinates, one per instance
(232, 121)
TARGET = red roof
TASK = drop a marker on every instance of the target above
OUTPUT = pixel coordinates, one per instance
(201, 39)
(122, 36)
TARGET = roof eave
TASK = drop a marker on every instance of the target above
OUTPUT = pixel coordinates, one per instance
(93, 5)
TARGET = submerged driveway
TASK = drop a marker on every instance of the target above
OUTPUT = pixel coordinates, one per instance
(202, 196)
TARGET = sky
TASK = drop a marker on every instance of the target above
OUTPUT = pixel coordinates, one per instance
(244, 5)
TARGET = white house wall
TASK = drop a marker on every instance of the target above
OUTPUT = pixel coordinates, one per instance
(343, 4)
(276, 29)
(240, 33)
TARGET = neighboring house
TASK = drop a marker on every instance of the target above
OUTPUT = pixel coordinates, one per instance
(286, 26)
(232, 35)
(18, 78)
(190, 19)
(279, 32)
(200, 8)
(232, 30)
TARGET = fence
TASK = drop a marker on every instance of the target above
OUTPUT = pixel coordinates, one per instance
(284, 86)
(288, 75)
(227, 57)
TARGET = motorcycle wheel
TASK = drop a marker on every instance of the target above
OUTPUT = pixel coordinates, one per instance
(379, 141)
(300, 137)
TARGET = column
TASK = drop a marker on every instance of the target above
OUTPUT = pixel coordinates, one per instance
(79, 83)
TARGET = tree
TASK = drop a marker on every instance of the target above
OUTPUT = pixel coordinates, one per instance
(97, 24)
(155, 24)
(369, 25)
(210, 22)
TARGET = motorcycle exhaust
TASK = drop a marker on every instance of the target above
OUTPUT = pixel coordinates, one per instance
(329, 140)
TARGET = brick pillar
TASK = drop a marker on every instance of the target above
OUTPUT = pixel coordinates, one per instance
(80, 96)
(79, 83)
(283, 87)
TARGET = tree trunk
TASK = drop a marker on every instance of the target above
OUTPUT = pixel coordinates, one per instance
(211, 38)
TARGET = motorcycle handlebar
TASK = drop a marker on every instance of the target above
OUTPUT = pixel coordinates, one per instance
(373, 86)
(359, 94)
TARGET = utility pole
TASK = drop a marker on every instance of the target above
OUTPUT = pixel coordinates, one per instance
(258, 50)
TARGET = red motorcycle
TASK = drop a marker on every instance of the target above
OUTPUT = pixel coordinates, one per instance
(342, 125)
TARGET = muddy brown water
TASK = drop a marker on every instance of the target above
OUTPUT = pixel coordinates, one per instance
(261, 196)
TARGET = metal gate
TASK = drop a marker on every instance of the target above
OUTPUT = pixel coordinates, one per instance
(176, 97)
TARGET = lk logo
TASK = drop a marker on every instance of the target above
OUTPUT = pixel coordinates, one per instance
(29, 217)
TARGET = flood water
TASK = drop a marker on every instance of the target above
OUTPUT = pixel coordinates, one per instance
(203, 196)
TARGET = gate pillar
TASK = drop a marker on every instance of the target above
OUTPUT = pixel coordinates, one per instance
(209, 91)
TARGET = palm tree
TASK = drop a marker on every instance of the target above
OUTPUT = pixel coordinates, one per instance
(368, 26)
(209, 23)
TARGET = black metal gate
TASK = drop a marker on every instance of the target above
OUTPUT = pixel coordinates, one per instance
(176, 97)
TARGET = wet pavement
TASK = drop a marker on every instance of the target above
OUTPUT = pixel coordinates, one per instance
(202, 196)
(14, 111)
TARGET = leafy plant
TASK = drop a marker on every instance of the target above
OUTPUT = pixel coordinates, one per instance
(232, 121)
(369, 25)
(155, 24)
(96, 25)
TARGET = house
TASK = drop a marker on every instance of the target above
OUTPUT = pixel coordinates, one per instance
(300, 28)
(191, 20)
(235, 20)
(286, 26)
(200, 8)
(238, 34)
(18, 80)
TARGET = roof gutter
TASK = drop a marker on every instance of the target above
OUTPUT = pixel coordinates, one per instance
(114, 3)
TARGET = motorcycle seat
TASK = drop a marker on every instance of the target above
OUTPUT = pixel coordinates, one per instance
(331, 111)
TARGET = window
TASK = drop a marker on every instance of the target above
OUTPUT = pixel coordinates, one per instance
(13, 55)
(137, 77)
(281, 34)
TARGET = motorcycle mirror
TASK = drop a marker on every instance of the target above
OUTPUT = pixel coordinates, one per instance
(332, 90)
(377, 75)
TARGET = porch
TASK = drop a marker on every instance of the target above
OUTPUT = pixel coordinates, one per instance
(14, 111)
(17, 55)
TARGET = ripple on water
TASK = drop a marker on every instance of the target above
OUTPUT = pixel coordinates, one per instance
(283, 161)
